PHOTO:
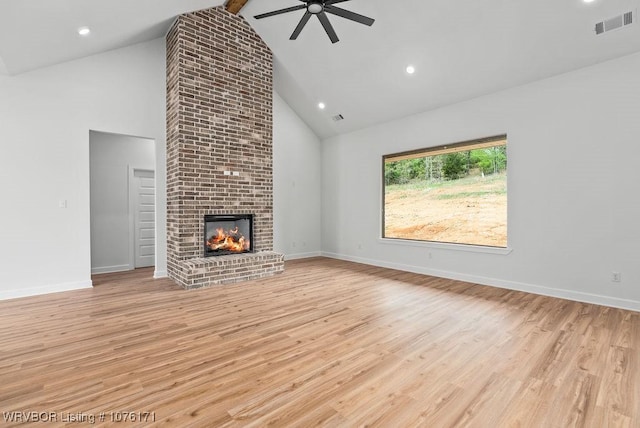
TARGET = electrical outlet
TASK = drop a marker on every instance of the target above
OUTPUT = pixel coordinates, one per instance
(616, 277)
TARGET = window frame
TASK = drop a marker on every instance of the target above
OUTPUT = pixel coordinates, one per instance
(461, 146)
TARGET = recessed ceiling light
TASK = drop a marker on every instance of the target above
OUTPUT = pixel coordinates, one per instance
(588, 1)
(411, 69)
(321, 106)
(84, 31)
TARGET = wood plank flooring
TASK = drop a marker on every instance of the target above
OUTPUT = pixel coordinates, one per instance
(327, 343)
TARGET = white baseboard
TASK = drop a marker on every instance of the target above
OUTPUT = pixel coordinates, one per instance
(160, 274)
(110, 269)
(47, 289)
(302, 255)
(577, 296)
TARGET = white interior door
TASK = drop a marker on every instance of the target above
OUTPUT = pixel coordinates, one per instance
(144, 214)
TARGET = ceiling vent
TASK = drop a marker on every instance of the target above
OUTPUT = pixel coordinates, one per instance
(614, 23)
(337, 118)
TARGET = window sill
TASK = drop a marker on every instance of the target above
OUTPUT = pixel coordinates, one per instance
(446, 246)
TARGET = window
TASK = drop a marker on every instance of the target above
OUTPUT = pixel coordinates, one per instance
(455, 193)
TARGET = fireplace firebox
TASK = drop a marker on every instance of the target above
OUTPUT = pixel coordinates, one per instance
(228, 234)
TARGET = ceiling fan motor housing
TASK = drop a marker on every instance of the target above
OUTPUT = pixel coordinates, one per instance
(315, 7)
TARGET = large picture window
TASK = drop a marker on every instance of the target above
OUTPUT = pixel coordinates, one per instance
(455, 193)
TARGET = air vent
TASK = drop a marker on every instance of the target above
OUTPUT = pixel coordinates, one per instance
(628, 18)
(338, 118)
(614, 23)
(600, 28)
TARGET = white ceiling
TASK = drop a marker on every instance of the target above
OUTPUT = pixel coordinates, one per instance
(38, 33)
(461, 49)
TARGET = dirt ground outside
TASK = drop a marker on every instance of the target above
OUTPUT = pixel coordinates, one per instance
(472, 210)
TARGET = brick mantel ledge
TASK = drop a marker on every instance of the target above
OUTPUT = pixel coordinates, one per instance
(206, 271)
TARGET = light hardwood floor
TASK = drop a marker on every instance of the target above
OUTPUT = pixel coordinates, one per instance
(327, 343)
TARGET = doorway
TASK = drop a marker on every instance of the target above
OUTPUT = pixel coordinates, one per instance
(122, 189)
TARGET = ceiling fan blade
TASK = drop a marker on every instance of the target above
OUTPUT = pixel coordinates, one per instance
(301, 24)
(330, 2)
(349, 15)
(328, 27)
(278, 12)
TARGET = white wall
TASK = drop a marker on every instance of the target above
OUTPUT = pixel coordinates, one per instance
(45, 118)
(3, 68)
(112, 156)
(574, 148)
(296, 184)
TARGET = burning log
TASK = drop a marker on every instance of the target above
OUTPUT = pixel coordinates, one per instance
(231, 240)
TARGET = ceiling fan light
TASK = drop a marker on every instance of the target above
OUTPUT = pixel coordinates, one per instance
(315, 7)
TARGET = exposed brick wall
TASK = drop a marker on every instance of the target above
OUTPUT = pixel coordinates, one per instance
(219, 118)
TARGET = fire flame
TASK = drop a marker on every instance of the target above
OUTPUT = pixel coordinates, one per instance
(229, 240)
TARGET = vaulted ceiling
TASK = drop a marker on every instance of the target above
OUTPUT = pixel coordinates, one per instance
(460, 49)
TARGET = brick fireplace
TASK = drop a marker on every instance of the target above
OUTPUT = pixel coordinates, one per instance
(219, 145)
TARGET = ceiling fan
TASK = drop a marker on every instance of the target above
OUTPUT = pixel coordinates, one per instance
(320, 8)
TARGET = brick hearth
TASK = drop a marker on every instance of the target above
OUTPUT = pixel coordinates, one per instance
(219, 119)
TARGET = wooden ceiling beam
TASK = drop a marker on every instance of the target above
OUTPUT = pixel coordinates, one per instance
(234, 6)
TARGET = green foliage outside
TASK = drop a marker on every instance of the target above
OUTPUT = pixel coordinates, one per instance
(402, 172)
(454, 166)
(451, 186)
(451, 166)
